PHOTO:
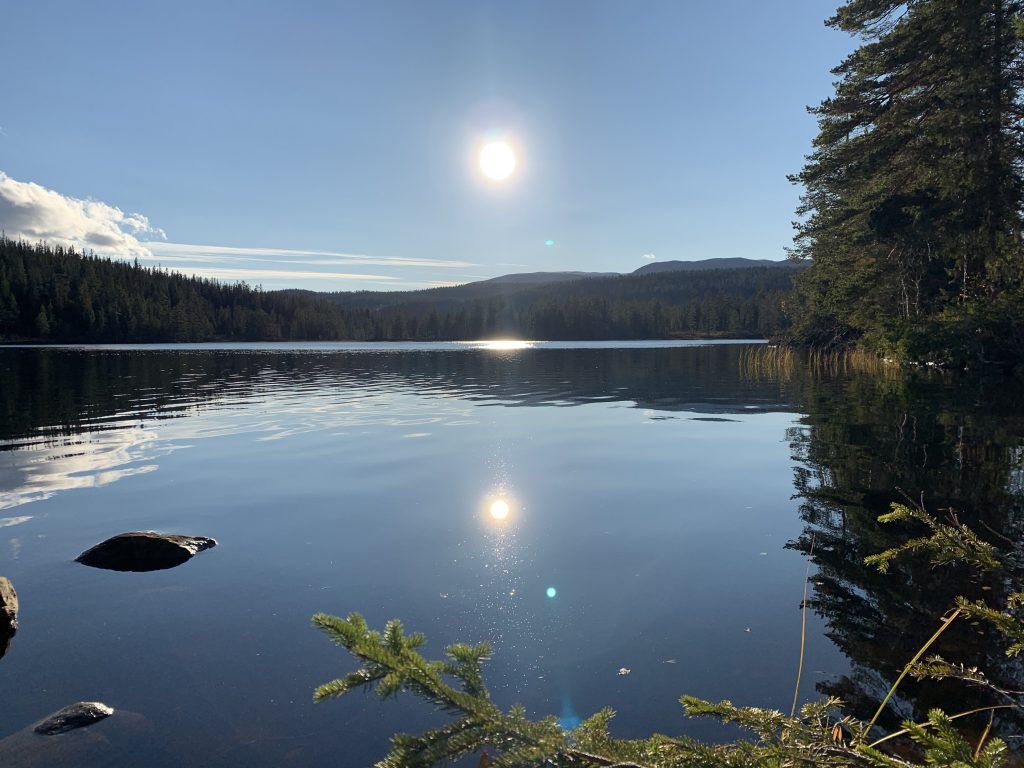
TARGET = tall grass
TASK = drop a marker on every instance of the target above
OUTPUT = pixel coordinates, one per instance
(768, 362)
(780, 362)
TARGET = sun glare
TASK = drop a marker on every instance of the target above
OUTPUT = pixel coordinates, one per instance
(502, 345)
(497, 160)
(499, 509)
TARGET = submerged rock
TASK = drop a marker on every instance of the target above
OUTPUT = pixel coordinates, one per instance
(74, 716)
(8, 614)
(119, 740)
(144, 551)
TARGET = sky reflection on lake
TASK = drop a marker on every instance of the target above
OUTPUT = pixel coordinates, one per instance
(650, 494)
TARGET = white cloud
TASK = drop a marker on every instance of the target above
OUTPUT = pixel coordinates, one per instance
(33, 212)
(650, 256)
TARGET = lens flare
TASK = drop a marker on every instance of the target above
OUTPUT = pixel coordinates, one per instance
(551, 592)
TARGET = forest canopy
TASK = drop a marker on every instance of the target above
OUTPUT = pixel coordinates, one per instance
(911, 215)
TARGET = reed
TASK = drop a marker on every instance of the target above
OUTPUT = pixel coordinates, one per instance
(904, 731)
(852, 360)
(769, 362)
(778, 362)
(917, 657)
(803, 629)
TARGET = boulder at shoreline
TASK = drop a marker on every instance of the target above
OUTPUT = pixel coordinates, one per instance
(8, 614)
(144, 551)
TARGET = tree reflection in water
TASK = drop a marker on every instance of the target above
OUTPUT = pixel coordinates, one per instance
(866, 441)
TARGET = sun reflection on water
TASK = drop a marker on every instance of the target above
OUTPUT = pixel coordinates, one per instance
(502, 345)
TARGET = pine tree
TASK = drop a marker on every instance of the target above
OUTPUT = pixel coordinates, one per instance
(911, 214)
(42, 324)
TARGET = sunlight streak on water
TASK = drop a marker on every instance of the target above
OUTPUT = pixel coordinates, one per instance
(502, 345)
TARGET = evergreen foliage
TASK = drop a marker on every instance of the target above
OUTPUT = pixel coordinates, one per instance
(911, 216)
(946, 544)
(819, 736)
(57, 295)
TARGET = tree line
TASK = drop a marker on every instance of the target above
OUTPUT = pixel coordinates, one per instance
(51, 293)
(911, 218)
(55, 294)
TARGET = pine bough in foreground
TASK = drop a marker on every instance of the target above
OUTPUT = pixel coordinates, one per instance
(819, 736)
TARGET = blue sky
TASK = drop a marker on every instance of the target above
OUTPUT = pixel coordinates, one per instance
(332, 145)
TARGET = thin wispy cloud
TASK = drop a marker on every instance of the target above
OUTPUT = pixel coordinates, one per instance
(649, 256)
(197, 252)
(289, 267)
(249, 275)
(32, 212)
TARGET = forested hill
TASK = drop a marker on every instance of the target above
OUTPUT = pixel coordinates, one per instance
(57, 295)
(704, 264)
(507, 285)
(735, 302)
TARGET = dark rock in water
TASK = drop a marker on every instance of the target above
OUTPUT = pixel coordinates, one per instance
(8, 614)
(8, 604)
(144, 551)
(123, 739)
(74, 716)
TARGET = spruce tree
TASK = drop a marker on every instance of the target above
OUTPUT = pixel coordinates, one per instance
(911, 214)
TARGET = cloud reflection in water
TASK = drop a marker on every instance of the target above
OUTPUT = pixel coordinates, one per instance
(35, 469)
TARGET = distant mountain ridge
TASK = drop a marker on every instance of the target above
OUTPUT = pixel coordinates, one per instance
(542, 278)
(696, 266)
(515, 283)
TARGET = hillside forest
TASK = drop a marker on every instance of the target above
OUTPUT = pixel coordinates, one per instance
(53, 294)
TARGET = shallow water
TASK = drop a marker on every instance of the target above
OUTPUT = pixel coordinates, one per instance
(653, 486)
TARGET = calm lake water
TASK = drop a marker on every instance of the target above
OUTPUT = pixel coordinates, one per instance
(666, 494)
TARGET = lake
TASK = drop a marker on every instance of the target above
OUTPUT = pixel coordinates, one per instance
(662, 502)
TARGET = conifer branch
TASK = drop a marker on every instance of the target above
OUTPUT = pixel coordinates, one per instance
(391, 664)
(946, 544)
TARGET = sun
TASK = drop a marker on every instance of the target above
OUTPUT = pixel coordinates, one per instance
(499, 509)
(497, 160)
